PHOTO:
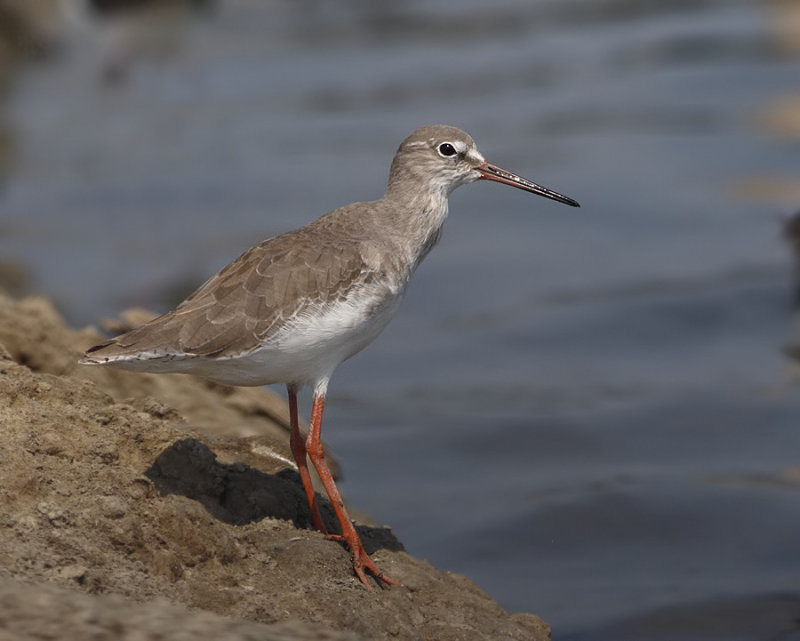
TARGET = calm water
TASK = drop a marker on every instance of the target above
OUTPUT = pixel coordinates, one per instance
(586, 411)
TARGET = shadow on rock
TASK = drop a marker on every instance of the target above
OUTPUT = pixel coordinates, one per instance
(238, 494)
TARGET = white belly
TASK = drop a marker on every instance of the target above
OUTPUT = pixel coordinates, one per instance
(312, 346)
(305, 351)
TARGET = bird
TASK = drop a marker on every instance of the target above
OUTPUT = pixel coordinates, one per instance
(292, 308)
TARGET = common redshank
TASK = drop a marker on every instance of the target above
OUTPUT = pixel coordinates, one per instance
(292, 308)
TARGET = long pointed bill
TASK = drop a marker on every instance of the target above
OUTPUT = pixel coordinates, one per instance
(492, 172)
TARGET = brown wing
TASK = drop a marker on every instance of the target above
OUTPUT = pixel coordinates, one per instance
(248, 300)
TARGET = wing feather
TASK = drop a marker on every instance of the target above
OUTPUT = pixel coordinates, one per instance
(250, 299)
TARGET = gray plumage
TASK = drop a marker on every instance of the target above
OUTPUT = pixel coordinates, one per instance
(367, 250)
(292, 308)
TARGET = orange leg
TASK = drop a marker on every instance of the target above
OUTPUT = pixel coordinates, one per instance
(361, 560)
(299, 451)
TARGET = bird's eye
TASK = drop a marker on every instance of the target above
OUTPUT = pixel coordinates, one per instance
(446, 149)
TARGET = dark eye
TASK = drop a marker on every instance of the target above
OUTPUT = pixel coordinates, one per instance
(446, 149)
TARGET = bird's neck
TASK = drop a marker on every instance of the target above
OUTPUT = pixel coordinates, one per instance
(415, 220)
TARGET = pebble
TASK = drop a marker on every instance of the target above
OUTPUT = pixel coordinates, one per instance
(112, 507)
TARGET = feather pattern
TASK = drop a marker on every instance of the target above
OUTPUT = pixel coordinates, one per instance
(296, 305)
(248, 302)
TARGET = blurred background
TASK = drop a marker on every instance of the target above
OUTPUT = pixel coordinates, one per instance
(593, 413)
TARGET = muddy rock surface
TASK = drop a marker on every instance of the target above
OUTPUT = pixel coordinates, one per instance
(136, 506)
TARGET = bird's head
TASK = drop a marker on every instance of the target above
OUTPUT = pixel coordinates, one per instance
(440, 158)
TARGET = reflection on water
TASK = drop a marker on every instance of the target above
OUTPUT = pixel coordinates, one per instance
(771, 616)
(27, 31)
(575, 408)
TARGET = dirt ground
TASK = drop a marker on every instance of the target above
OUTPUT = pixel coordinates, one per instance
(136, 506)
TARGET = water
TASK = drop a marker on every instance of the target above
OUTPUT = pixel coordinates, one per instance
(586, 411)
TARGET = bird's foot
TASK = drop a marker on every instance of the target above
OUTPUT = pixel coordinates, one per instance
(361, 561)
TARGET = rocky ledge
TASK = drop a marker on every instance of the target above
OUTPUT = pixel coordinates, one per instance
(135, 506)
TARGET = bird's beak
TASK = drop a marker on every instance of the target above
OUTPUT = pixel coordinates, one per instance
(492, 172)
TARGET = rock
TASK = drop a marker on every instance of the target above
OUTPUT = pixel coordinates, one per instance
(123, 504)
